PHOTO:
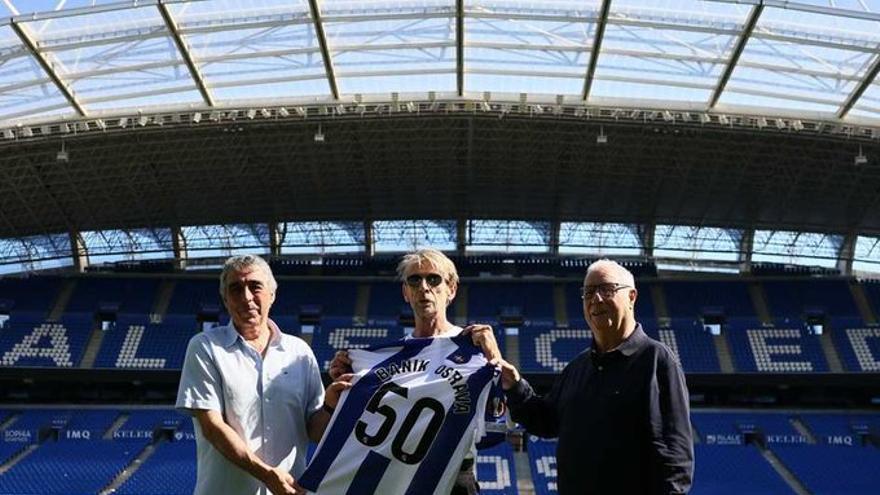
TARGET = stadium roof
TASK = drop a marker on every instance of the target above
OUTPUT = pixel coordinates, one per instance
(743, 115)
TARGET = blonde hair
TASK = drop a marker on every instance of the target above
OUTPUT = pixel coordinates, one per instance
(429, 256)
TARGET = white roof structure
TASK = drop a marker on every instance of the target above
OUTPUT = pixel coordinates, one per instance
(735, 129)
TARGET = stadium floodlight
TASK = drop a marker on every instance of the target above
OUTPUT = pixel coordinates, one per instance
(265, 113)
(667, 116)
(485, 106)
(705, 118)
(340, 109)
(780, 124)
(602, 138)
(362, 109)
(300, 111)
(8, 134)
(860, 159)
(761, 122)
(62, 155)
(197, 117)
(411, 107)
(45, 130)
(123, 122)
(64, 128)
(82, 126)
(101, 124)
(283, 112)
(27, 132)
(685, 117)
(797, 125)
(319, 136)
(723, 120)
(142, 120)
(251, 113)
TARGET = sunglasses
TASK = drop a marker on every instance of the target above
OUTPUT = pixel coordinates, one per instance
(415, 280)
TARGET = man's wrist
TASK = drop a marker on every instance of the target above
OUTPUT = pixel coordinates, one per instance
(328, 408)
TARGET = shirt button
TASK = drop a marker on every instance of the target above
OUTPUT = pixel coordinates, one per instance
(601, 368)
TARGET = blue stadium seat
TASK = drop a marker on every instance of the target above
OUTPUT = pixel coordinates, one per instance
(496, 470)
(46, 344)
(532, 300)
(334, 335)
(129, 295)
(171, 470)
(33, 294)
(687, 338)
(833, 470)
(59, 467)
(542, 460)
(788, 349)
(547, 349)
(857, 344)
(792, 298)
(690, 298)
(136, 343)
(734, 470)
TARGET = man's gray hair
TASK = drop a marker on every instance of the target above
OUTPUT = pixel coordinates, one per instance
(430, 256)
(242, 262)
(626, 276)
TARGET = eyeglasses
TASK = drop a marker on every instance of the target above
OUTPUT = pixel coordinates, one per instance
(415, 280)
(607, 291)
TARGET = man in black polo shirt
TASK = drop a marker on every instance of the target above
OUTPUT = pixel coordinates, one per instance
(620, 409)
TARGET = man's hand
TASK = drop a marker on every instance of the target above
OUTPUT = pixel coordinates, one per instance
(334, 390)
(509, 374)
(340, 365)
(484, 338)
(280, 482)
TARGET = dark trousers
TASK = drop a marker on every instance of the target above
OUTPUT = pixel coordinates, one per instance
(466, 483)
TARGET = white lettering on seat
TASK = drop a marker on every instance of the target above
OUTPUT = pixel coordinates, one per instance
(59, 350)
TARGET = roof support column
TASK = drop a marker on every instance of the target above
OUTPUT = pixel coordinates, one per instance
(646, 235)
(178, 244)
(369, 249)
(554, 237)
(746, 245)
(78, 251)
(461, 236)
(274, 239)
(847, 253)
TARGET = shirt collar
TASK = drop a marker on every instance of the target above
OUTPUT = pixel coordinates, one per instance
(629, 346)
(231, 335)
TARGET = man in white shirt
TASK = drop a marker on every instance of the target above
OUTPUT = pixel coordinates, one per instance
(255, 394)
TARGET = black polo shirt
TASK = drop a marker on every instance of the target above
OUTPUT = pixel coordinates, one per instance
(622, 419)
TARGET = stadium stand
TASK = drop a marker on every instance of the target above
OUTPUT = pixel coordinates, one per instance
(497, 300)
(46, 344)
(386, 300)
(788, 349)
(689, 341)
(496, 470)
(133, 342)
(123, 295)
(735, 470)
(547, 349)
(794, 298)
(542, 461)
(692, 299)
(335, 335)
(833, 470)
(171, 470)
(29, 295)
(857, 344)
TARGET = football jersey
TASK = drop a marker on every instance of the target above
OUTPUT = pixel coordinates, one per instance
(413, 412)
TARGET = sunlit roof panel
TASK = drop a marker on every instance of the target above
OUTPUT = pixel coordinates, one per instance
(198, 12)
(660, 63)
(439, 80)
(280, 37)
(261, 78)
(143, 100)
(525, 83)
(138, 17)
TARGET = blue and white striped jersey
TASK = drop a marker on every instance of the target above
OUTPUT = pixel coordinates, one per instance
(415, 409)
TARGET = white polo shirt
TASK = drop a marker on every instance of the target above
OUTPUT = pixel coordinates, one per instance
(266, 400)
